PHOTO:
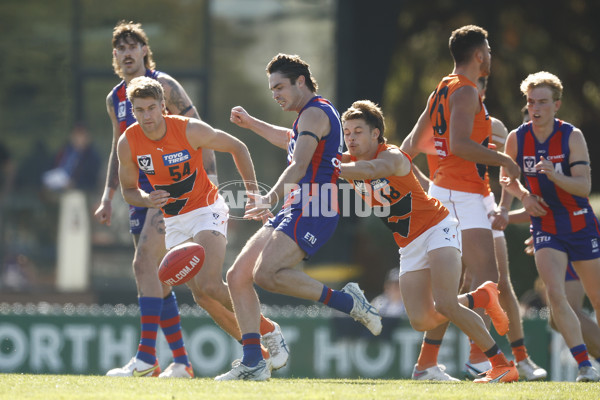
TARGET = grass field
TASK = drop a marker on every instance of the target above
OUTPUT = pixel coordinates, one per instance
(67, 387)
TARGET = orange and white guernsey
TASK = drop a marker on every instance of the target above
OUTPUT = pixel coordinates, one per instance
(408, 211)
(173, 165)
(453, 172)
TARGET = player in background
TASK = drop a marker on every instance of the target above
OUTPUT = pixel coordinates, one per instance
(554, 158)
(428, 238)
(131, 58)
(528, 370)
(168, 149)
(307, 219)
(461, 129)
(573, 286)
(477, 362)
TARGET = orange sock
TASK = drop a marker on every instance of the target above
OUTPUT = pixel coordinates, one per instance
(520, 353)
(481, 298)
(429, 354)
(265, 352)
(476, 355)
(266, 325)
(498, 360)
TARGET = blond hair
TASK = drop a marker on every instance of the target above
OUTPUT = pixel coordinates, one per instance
(543, 79)
(143, 87)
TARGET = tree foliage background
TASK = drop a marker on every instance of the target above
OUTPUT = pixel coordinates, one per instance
(392, 52)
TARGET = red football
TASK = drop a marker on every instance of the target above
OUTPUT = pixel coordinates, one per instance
(181, 263)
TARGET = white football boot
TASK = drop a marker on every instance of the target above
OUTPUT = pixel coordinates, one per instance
(177, 370)
(362, 310)
(435, 373)
(240, 372)
(136, 368)
(278, 350)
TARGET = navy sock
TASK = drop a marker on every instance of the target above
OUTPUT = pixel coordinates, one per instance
(337, 300)
(150, 309)
(581, 355)
(251, 347)
(170, 322)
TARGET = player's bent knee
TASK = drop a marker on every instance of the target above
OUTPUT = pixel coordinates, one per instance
(421, 324)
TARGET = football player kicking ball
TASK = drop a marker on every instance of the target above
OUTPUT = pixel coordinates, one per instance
(168, 149)
(428, 238)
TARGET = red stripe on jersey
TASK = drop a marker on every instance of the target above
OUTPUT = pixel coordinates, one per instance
(316, 159)
(547, 223)
(122, 96)
(577, 221)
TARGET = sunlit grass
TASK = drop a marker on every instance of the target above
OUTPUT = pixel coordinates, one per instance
(67, 387)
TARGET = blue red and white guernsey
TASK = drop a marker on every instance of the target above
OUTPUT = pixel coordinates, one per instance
(310, 212)
(566, 213)
(125, 118)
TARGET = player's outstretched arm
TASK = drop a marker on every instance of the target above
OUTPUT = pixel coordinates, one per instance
(277, 135)
(388, 163)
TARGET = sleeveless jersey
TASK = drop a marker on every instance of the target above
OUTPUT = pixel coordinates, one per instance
(411, 210)
(325, 164)
(566, 212)
(125, 117)
(172, 164)
(453, 172)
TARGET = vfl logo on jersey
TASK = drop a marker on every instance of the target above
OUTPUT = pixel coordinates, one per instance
(176, 158)
(145, 164)
(122, 110)
(595, 248)
(529, 164)
(360, 187)
(441, 147)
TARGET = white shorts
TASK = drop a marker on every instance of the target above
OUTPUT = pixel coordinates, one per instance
(413, 257)
(490, 205)
(182, 227)
(467, 208)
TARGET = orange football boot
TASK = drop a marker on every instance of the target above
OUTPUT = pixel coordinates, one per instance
(501, 373)
(493, 308)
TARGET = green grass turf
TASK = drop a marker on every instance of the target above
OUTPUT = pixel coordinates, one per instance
(67, 387)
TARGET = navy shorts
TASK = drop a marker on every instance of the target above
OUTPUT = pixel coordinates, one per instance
(571, 274)
(310, 233)
(137, 217)
(581, 245)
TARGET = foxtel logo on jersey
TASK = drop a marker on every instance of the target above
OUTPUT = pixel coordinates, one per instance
(184, 272)
(176, 158)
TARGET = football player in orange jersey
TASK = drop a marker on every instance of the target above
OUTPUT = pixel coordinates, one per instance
(428, 237)
(477, 362)
(461, 129)
(132, 57)
(168, 149)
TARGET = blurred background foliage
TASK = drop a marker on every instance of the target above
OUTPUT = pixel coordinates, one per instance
(55, 70)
